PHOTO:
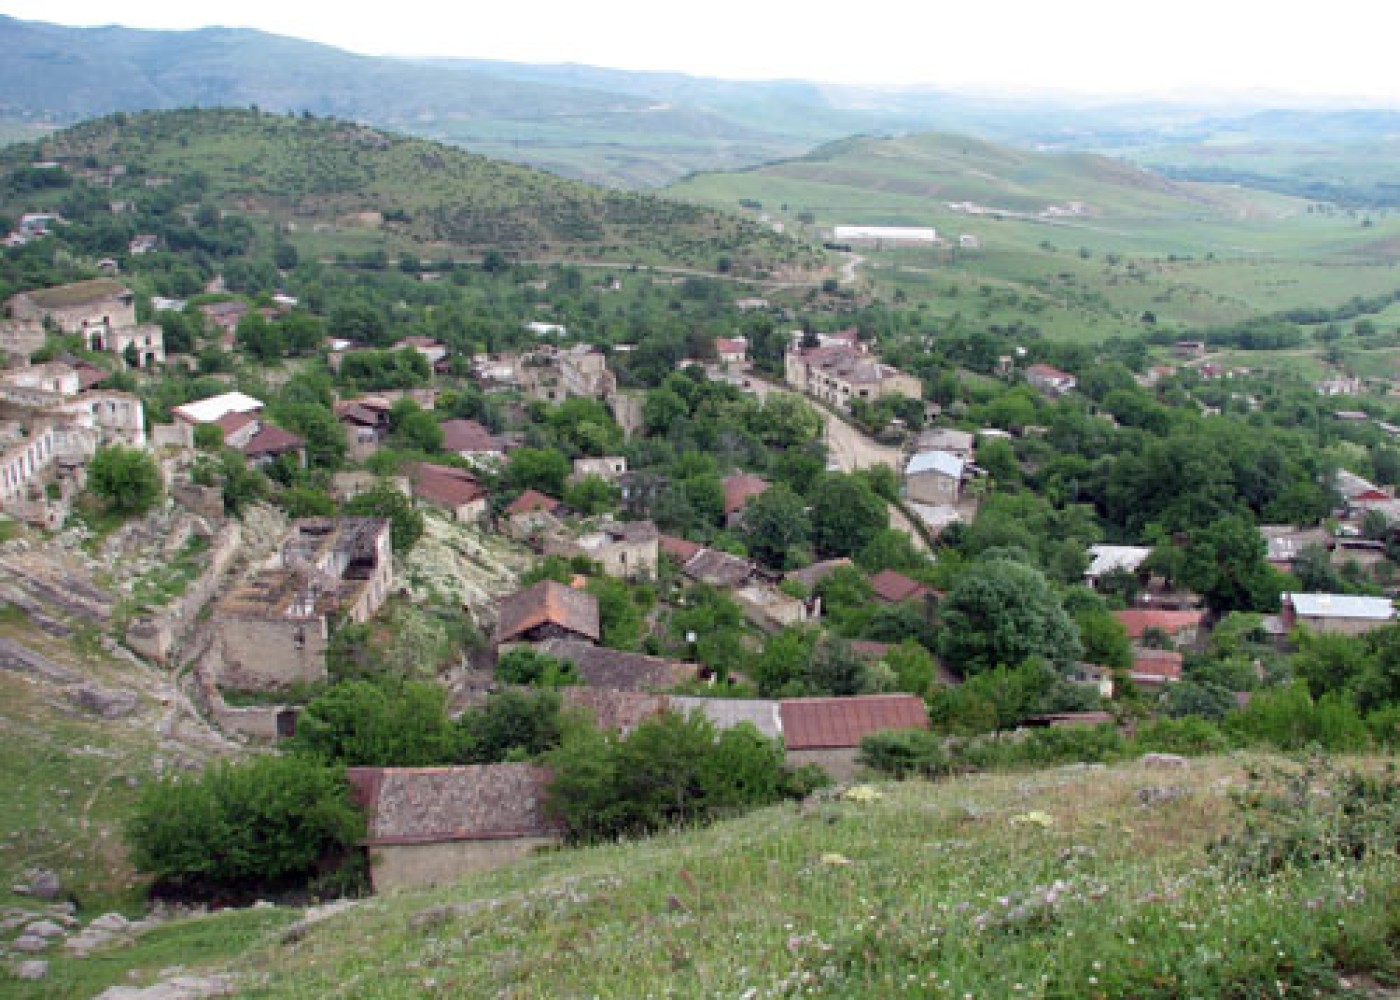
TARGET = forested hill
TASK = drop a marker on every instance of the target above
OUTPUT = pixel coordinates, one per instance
(327, 175)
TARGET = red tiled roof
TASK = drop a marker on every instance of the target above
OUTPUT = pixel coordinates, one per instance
(894, 587)
(680, 549)
(231, 423)
(467, 436)
(1138, 620)
(531, 501)
(90, 375)
(445, 484)
(547, 603)
(832, 723)
(1154, 666)
(270, 440)
(739, 490)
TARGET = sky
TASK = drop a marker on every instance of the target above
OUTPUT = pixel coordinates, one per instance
(1112, 48)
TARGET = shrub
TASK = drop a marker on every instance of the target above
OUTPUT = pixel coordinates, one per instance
(511, 725)
(126, 478)
(378, 724)
(523, 665)
(1190, 735)
(1288, 718)
(903, 753)
(271, 822)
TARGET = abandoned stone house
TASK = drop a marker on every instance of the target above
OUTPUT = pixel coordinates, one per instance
(272, 629)
(827, 731)
(554, 375)
(429, 826)
(102, 311)
(547, 610)
(625, 549)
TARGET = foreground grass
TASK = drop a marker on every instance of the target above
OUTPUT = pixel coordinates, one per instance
(1055, 884)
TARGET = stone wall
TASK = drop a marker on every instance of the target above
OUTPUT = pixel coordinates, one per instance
(206, 501)
(421, 866)
(158, 636)
(174, 435)
(840, 763)
(269, 653)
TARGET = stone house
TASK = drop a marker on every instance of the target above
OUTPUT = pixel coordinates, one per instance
(839, 373)
(960, 443)
(454, 490)
(429, 826)
(827, 731)
(272, 629)
(732, 350)
(1106, 559)
(533, 515)
(890, 586)
(366, 423)
(771, 609)
(934, 477)
(1050, 380)
(102, 311)
(471, 440)
(625, 549)
(553, 375)
(610, 468)
(1183, 628)
(616, 669)
(1155, 668)
(547, 610)
(739, 490)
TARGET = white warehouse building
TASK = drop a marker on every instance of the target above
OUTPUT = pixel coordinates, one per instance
(887, 236)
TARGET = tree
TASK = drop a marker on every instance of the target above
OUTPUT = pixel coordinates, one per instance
(126, 478)
(846, 514)
(1226, 563)
(775, 526)
(913, 666)
(1105, 640)
(592, 495)
(1004, 613)
(527, 666)
(511, 725)
(385, 722)
(270, 822)
(781, 669)
(415, 428)
(405, 521)
(542, 469)
(836, 669)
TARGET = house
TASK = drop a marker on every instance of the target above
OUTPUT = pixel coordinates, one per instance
(611, 468)
(270, 442)
(555, 374)
(547, 329)
(1106, 559)
(433, 350)
(771, 609)
(1343, 613)
(1181, 627)
(614, 711)
(732, 350)
(738, 491)
(547, 610)
(843, 372)
(934, 477)
(270, 631)
(429, 826)
(726, 713)
(471, 440)
(1189, 349)
(366, 423)
(936, 517)
(454, 490)
(827, 731)
(616, 669)
(1050, 380)
(1155, 668)
(1094, 675)
(625, 549)
(893, 587)
(963, 444)
(1340, 387)
(718, 569)
(102, 311)
(680, 550)
(532, 514)
(225, 316)
(878, 237)
(1285, 542)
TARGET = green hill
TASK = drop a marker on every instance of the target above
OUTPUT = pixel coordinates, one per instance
(1071, 882)
(324, 176)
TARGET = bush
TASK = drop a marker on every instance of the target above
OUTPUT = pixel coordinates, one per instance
(512, 725)
(378, 724)
(524, 665)
(271, 822)
(126, 478)
(1190, 735)
(903, 753)
(1288, 718)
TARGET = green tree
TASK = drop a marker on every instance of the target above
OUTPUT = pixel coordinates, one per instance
(540, 469)
(592, 495)
(527, 666)
(405, 520)
(511, 725)
(1226, 563)
(386, 722)
(775, 526)
(1004, 613)
(846, 515)
(125, 478)
(914, 667)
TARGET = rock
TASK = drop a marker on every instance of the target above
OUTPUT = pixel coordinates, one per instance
(1159, 795)
(102, 702)
(114, 922)
(45, 929)
(89, 940)
(180, 988)
(33, 969)
(40, 882)
(1164, 761)
(15, 657)
(29, 943)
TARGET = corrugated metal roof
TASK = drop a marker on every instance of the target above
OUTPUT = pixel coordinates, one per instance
(1341, 606)
(943, 462)
(835, 723)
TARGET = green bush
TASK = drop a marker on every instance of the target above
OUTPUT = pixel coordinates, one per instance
(1287, 718)
(527, 666)
(272, 822)
(384, 723)
(1190, 735)
(511, 725)
(903, 753)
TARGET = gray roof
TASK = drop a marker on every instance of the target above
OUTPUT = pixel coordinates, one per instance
(728, 712)
(1341, 606)
(942, 462)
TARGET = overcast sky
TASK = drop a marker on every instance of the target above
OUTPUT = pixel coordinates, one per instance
(1110, 47)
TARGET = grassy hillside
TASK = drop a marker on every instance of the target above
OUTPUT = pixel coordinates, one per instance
(1066, 883)
(316, 174)
(1075, 245)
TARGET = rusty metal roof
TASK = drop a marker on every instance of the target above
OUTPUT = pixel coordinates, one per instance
(836, 723)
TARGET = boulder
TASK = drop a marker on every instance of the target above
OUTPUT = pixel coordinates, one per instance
(33, 969)
(114, 922)
(102, 702)
(180, 988)
(40, 882)
(1165, 761)
(44, 929)
(29, 943)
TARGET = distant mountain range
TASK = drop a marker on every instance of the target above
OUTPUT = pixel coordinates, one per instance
(614, 127)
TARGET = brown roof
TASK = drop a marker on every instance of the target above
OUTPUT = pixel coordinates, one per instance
(1139, 620)
(618, 670)
(425, 805)
(356, 412)
(1156, 665)
(680, 549)
(467, 436)
(548, 603)
(622, 711)
(718, 569)
(739, 490)
(271, 440)
(831, 723)
(446, 485)
(894, 587)
(531, 501)
(810, 576)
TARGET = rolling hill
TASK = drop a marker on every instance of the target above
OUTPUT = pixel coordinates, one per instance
(325, 175)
